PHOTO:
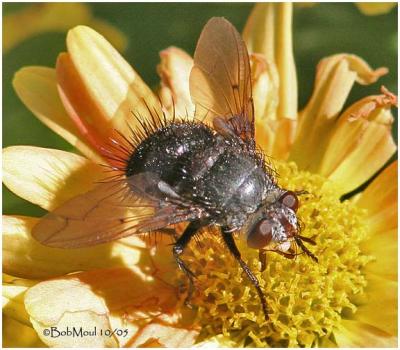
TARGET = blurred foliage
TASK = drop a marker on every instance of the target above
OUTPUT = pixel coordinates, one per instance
(319, 31)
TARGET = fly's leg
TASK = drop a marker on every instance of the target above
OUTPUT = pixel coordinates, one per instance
(230, 242)
(178, 249)
(262, 257)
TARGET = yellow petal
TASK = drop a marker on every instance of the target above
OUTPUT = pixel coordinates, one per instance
(68, 303)
(380, 199)
(383, 246)
(380, 308)
(13, 298)
(360, 143)
(375, 8)
(54, 17)
(157, 335)
(334, 79)
(115, 298)
(37, 88)
(354, 334)
(24, 257)
(269, 31)
(174, 70)
(110, 82)
(19, 335)
(93, 127)
(265, 81)
(275, 136)
(47, 177)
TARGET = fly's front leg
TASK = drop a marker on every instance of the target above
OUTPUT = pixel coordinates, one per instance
(230, 242)
(178, 249)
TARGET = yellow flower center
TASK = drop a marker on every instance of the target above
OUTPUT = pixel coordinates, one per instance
(305, 299)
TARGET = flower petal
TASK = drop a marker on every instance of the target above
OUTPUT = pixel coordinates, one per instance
(47, 177)
(110, 82)
(13, 298)
(67, 303)
(265, 81)
(360, 143)
(54, 17)
(24, 257)
(19, 335)
(174, 70)
(380, 199)
(334, 79)
(113, 298)
(375, 8)
(160, 335)
(269, 31)
(354, 334)
(275, 136)
(37, 88)
(380, 308)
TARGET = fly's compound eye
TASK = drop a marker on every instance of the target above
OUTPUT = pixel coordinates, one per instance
(260, 235)
(289, 199)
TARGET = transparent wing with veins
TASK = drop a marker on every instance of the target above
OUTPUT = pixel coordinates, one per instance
(113, 210)
(220, 80)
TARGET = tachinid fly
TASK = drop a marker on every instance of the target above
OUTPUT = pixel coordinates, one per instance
(205, 171)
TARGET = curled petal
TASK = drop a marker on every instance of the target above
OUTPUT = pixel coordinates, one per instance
(24, 257)
(334, 79)
(174, 70)
(360, 143)
(269, 31)
(380, 199)
(37, 88)
(47, 177)
(111, 84)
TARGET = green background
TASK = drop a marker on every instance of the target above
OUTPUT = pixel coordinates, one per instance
(319, 31)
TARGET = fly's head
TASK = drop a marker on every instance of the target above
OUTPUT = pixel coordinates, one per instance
(274, 226)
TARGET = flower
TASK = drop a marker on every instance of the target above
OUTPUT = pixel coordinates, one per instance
(55, 17)
(125, 286)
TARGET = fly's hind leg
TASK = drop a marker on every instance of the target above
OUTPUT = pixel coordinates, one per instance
(178, 249)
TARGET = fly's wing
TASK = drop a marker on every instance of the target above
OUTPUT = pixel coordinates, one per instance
(220, 80)
(113, 210)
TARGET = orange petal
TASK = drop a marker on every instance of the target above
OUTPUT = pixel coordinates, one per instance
(24, 257)
(269, 31)
(380, 199)
(37, 88)
(334, 79)
(47, 177)
(110, 83)
(360, 142)
(174, 70)
(354, 334)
